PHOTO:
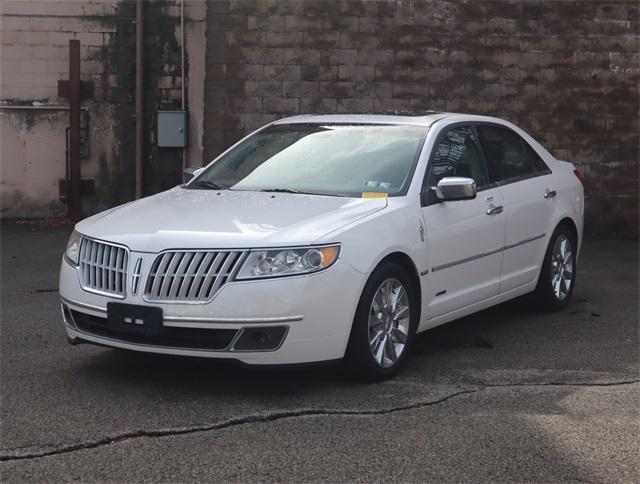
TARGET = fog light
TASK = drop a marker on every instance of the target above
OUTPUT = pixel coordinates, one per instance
(263, 338)
(260, 339)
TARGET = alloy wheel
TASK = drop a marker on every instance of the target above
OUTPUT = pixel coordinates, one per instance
(561, 267)
(389, 322)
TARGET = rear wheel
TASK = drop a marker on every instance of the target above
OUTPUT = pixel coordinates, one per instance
(558, 273)
(384, 325)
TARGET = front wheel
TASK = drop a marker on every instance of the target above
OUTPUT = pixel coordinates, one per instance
(558, 273)
(384, 325)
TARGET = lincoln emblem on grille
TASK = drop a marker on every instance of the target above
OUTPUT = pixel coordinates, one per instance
(135, 276)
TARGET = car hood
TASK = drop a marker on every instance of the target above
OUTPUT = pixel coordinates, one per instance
(187, 219)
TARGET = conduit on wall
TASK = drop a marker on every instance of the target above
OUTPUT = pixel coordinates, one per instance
(139, 95)
(182, 37)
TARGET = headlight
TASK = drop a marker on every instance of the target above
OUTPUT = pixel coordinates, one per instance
(73, 248)
(288, 262)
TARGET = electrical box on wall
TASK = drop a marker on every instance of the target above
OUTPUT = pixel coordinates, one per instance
(172, 129)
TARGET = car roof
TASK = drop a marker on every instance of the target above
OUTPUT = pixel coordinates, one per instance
(419, 118)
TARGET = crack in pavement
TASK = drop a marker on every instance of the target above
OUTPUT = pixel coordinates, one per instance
(273, 416)
(557, 384)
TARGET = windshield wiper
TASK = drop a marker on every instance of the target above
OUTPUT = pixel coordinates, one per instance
(279, 190)
(207, 184)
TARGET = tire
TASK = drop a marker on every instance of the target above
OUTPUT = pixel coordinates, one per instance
(376, 351)
(554, 289)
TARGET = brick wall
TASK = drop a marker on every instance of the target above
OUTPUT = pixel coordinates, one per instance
(565, 71)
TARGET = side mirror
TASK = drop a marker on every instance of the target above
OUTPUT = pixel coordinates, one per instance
(191, 172)
(452, 188)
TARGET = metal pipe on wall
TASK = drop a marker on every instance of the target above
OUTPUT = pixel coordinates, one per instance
(74, 182)
(182, 51)
(58, 107)
(139, 95)
(182, 76)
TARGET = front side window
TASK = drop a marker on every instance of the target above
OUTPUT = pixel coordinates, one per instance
(509, 156)
(325, 159)
(456, 154)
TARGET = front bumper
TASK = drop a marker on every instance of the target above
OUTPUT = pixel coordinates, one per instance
(309, 317)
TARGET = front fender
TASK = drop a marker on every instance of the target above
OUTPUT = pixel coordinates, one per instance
(394, 229)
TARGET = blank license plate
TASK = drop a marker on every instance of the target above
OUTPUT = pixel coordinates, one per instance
(130, 318)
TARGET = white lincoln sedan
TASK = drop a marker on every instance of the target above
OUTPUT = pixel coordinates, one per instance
(330, 237)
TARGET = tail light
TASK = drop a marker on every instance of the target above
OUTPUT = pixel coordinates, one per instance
(579, 175)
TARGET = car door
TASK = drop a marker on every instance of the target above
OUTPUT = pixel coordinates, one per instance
(528, 198)
(464, 237)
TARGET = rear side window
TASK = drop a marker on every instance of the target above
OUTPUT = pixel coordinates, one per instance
(456, 154)
(509, 156)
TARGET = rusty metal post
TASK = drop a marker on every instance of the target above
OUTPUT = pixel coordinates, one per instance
(139, 95)
(74, 184)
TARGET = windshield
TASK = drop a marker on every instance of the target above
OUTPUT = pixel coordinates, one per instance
(335, 159)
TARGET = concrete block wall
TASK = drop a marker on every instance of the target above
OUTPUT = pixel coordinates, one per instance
(566, 71)
(34, 39)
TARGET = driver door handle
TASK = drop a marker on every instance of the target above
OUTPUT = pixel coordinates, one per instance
(493, 209)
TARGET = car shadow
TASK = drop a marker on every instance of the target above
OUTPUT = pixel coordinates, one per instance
(202, 373)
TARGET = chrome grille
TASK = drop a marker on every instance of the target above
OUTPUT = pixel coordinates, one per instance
(103, 267)
(191, 276)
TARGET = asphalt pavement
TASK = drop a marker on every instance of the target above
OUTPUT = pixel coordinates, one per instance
(509, 394)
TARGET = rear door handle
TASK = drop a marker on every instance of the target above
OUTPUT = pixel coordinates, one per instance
(493, 209)
(550, 193)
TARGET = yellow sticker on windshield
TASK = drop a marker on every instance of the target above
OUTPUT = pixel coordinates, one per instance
(374, 195)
